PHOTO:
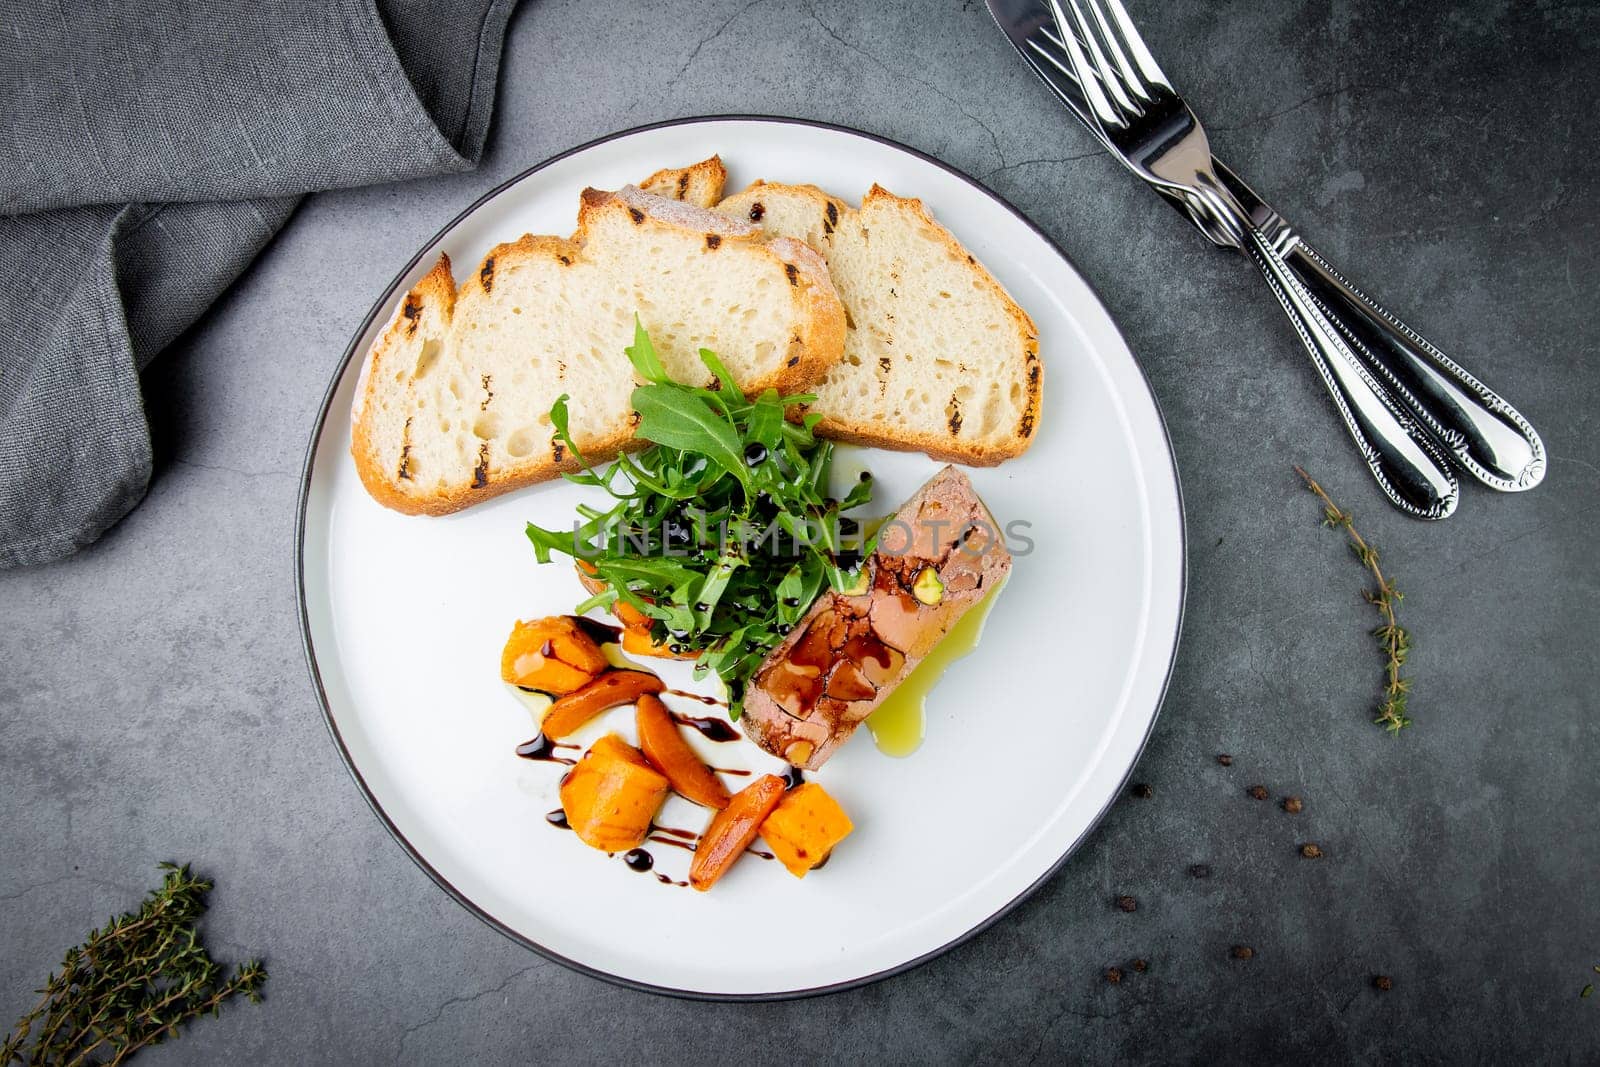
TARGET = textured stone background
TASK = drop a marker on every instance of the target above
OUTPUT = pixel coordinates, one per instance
(154, 703)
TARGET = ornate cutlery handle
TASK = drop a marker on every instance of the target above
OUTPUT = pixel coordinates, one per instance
(1486, 435)
(1408, 465)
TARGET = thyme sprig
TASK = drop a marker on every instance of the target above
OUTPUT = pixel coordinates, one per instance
(1385, 597)
(134, 982)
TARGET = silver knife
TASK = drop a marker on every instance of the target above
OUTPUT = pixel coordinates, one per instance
(1486, 436)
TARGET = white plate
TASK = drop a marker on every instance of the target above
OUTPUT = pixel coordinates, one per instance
(1028, 740)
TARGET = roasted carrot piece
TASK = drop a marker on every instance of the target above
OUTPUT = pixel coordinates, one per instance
(669, 753)
(552, 654)
(732, 829)
(636, 640)
(804, 827)
(588, 576)
(630, 616)
(611, 690)
(612, 795)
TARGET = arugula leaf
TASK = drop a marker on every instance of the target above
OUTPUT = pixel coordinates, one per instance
(548, 541)
(643, 355)
(764, 424)
(727, 388)
(671, 416)
(721, 556)
(558, 419)
(712, 588)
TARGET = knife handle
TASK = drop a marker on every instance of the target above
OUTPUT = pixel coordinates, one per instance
(1487, 436)
(1407, 463)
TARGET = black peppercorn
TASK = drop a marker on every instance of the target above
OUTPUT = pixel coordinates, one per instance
(1143, 791)
(1200, 870)
(1225, 759)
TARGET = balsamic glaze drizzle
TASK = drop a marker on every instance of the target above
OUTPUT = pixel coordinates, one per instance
(542, 748)
(696, 696)
(714, 729)
(599, 632)
(687, 846)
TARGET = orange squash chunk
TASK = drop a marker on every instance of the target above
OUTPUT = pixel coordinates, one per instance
(553, 655)
(669, 753)
(732, 829)
(636, 640)
(804, 828)
(630, 616)
(611, 690)
(612, 795)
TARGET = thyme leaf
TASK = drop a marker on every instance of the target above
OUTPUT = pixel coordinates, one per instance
(134, 982)
(1385, 597)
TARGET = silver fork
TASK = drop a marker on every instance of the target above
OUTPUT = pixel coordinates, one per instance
(1485, 435)
(1154, 132)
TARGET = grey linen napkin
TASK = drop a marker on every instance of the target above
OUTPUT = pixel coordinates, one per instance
(148, 151)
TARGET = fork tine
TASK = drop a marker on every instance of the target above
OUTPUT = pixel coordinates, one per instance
(1104, 112)
(1057, 59)
(1132, 78)
(1119, 93)
(1136, 47)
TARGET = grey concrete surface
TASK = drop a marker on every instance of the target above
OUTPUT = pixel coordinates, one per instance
(154, 703)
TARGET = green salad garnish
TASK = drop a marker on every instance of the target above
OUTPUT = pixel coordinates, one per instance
(722, 532)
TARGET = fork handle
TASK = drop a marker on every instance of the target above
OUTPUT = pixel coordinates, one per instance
(1487, 436)
(1408, 465)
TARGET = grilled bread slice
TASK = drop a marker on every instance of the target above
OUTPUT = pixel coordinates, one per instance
(453, 404)
(938, 358)
(699, 184)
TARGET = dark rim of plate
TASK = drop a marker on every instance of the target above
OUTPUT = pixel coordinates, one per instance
(444, 883)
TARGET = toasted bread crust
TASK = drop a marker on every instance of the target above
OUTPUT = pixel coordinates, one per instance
(426, 312)
(433, 296)
(699, 183)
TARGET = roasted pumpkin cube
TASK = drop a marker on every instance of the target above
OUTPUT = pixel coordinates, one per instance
(805, 827)
(612, 794)
(553, 655)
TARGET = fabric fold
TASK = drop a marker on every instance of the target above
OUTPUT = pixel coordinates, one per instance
(149, 154)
